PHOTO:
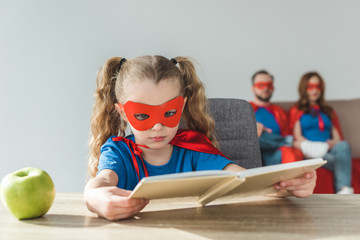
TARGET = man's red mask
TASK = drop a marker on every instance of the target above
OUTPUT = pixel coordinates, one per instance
(311, 86)
(264, 85)
(143, 116)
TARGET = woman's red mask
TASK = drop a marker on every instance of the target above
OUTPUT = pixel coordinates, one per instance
(311, 86)
(143, 116)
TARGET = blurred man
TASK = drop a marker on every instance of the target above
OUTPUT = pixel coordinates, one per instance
(272, 123)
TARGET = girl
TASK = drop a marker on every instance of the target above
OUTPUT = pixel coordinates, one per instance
(151, 94)
(317, 130)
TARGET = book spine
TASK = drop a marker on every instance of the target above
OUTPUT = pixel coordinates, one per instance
(220, 189)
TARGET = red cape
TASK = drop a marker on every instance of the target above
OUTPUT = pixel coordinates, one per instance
(295, 115)
(196, 141)
(279, 115)
(185, 138)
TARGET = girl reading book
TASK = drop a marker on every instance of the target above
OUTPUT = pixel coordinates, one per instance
(150, 94)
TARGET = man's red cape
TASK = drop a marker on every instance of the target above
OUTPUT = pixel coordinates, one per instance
(295, 115)
(279, 115)
(288, 154)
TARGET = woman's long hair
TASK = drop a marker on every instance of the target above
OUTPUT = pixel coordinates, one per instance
(304, 103)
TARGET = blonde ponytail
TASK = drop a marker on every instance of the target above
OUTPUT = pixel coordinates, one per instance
(196, 113)
(105, 120)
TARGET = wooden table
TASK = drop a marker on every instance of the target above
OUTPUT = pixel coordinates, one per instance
(316, 217)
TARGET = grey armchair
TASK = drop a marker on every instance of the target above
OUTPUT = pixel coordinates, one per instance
(236, 130)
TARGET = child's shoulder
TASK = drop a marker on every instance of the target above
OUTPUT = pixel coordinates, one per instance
(117, 142)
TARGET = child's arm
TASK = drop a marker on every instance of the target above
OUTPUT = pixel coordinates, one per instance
(103, 197)
(298, 187)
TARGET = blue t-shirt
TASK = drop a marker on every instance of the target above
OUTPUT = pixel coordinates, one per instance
(310, 127)
(116, 156)
(265, 117)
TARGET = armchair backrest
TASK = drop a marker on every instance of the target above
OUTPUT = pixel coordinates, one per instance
(235, 128)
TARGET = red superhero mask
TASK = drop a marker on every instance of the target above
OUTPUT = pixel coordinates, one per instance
(143, 116)
(263, 85)
(312, 86)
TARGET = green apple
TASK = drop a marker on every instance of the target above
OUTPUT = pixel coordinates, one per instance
(28, 192)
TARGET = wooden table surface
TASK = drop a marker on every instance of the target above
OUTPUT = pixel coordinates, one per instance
(316, 217)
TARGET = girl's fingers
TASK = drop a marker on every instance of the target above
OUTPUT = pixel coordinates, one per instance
(127, 209)
(309, 177)
(301, 193)
(128, 212)
(120, 199)
(299, 187)
(120, 192)
(121, 202)
(294, 182)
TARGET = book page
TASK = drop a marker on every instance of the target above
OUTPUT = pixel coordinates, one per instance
(220, 190)
(260, 181)
(281, 167)
(184, 175)
(177, 187)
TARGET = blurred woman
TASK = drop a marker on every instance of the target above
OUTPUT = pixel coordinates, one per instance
(317, 131)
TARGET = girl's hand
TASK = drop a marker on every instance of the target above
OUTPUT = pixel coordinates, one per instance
(113, 203)
(299, 187)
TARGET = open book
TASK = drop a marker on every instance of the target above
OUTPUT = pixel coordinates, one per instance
(212, 184)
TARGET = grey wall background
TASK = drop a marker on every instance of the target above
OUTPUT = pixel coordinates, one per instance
(50, 52)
